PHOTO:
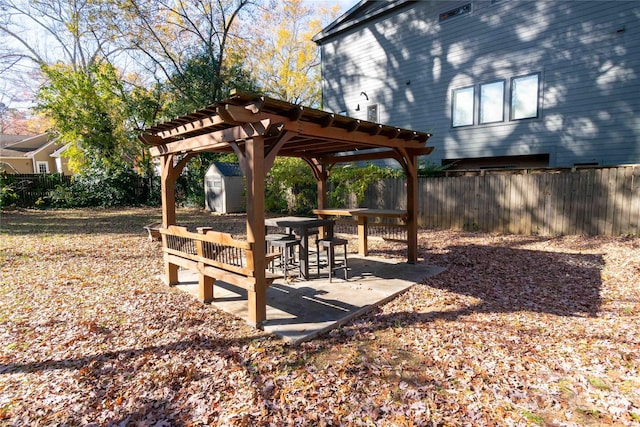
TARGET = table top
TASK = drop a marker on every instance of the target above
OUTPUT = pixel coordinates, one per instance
(390, 213)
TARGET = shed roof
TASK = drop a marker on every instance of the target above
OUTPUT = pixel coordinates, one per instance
(227, 168)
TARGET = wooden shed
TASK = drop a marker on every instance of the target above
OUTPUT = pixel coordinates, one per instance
(224, 188)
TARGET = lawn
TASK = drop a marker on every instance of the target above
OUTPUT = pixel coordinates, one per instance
(519, 330)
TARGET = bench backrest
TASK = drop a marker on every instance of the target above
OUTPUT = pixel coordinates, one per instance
(212, 248)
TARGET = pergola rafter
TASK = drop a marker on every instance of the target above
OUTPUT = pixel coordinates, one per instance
(258, 129)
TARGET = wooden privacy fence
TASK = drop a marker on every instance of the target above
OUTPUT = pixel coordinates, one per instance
(593, 201)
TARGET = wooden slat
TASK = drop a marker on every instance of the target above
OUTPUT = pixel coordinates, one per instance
(634, 221)
(623, 198)
(211, 271)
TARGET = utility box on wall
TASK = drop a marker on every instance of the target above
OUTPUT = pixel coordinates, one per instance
(224, 188)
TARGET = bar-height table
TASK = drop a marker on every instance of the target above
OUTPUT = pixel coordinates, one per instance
(302, 226)
(362, 215)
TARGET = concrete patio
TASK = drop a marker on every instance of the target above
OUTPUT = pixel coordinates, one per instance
(299, 310)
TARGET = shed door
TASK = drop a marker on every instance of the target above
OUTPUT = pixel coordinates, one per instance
(215, 194)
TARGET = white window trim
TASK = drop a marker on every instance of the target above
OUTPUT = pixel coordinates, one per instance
(454, 101)
(475, 116)
(370, 108)
(512, 115)
(40, 163)
(501, 103)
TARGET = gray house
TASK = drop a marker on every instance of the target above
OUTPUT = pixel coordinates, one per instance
(499, 83)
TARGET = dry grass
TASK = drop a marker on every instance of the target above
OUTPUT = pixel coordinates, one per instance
(519, 330)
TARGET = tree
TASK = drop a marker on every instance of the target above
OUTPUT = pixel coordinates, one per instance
(179, 41)
(16, 122)
(72, 46)
(280, 51)
(43, 32)
(89, 112)
(200, 84)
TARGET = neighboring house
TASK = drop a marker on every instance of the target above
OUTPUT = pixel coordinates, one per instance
(499, 83)
(31, 154)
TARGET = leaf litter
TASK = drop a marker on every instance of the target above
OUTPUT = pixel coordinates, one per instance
(518, 330)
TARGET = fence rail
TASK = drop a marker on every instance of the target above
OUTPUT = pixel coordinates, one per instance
(592, 201)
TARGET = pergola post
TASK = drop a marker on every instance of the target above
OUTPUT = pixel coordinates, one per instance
(253, 164)
(168, 189)
(412, 209)
(322, 188)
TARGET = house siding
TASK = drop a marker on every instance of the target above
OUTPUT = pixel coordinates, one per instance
(19, 165)
(587, 55)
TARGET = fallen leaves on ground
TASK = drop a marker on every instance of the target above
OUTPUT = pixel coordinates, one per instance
(518, 330)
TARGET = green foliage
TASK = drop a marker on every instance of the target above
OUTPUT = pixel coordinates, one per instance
(8, 195)
(94, 113)
(430, 169)
(534, 418)
(348, 179)
(194, 87)
(102, 187)
(290, 187)
(197, 85)
(28, 190)
(89, 110)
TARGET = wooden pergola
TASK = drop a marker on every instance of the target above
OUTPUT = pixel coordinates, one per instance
(258, 129)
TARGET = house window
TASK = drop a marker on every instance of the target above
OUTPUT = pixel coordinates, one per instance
(462, 107)
(372, 113)
(455, 12)
(43, 167)
(524, 97)
(492, 102)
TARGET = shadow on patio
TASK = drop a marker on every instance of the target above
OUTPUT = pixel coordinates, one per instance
(300, 310)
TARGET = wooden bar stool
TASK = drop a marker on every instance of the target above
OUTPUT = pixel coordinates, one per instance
(329, 245)
(286, 243)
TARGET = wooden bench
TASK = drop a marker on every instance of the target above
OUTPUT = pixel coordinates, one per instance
(154, 231)
(214, 256)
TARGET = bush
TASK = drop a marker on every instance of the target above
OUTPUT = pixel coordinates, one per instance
(290, 187)
(102, 188)
(8, 195)
(349, 179)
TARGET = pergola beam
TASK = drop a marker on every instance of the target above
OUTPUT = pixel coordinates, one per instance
(213, 140)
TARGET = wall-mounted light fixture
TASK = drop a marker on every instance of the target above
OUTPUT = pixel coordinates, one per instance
(362, 94)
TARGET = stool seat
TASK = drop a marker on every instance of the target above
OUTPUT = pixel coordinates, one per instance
(278, 236)
(329, 245)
